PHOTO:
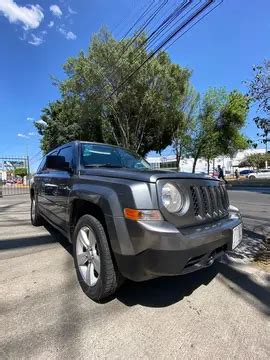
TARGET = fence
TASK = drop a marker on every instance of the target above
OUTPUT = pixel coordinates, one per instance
(14, 175)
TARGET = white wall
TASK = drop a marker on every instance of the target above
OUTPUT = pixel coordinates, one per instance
(3, 175)
(227, 163)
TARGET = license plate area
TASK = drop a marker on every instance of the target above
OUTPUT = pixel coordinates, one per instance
(237, 236)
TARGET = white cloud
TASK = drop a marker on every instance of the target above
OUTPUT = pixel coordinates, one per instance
(41, 122)
(72, 12)
(31, 134)
(55, 9)
(23, 136)
(36, 40)
(51, 23)
(30, 15)
(30, 119)
(69, 35)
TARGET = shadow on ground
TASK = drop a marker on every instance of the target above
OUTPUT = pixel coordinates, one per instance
(165, 291)
(24, 242)
(253, 244)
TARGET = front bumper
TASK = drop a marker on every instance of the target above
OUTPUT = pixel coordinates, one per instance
(160, 249)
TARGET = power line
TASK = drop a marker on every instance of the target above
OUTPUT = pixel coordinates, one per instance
(154, 37)
(138, 50)
(35, 156)
(207, 13)
(168, 39)
(139, 31)
(127, 18)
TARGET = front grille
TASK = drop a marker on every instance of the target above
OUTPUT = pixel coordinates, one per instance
(209, 201)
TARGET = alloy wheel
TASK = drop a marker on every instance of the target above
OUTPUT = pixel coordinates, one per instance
(87, 255)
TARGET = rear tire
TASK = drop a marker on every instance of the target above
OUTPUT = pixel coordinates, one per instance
(252, 177)
(36, 218)
(96, 272)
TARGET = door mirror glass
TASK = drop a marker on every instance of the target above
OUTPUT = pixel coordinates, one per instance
(55, 162)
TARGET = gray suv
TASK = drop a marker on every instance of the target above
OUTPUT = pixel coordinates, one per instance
(126, 220)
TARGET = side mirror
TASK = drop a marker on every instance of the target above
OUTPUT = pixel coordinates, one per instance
(57, 163)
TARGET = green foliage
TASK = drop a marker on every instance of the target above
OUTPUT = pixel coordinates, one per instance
(259, 87)
(20, 172)
(185, 123)
(218, 124)
(232, 119)
(259, 92)
(264, 125)
(142, 115)
(256, 160)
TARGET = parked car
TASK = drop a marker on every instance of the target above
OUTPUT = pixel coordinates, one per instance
(245, 172)
(126, 220)
(9, 182)
(260, 174)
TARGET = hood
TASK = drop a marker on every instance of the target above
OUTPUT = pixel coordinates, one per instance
(142, 175)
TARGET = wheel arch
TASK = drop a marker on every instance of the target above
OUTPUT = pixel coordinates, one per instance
(80, 207)
(32, 192)
(100, 202)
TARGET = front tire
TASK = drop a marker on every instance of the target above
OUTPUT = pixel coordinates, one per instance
(252, 177)
(96, 272)
(36, 218)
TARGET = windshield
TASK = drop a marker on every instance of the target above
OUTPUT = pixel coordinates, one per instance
(98, 155)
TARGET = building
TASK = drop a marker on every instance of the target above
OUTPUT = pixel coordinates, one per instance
(229, 164)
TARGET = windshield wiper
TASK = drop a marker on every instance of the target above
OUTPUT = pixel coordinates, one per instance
(103, 165)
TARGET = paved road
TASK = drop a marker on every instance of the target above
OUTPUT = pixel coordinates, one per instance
(218, 313)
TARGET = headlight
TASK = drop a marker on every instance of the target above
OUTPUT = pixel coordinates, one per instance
(172, 198)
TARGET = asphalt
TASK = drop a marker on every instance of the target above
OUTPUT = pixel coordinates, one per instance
(218, 313)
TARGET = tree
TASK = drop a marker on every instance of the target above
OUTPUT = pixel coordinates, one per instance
(219, 121)
(232, 119)
(264, 125)
(203, 139)
(65, 120)
(141, 115)
(185, 123)
(259, 92)
(259, 87)
(20, 172)
(255, 160)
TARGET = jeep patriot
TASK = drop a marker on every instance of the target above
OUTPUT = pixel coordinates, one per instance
(126, 220)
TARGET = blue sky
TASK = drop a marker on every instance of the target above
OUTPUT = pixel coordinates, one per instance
(38, 36)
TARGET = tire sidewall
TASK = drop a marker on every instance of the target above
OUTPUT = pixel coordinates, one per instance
(35, 219)
(94, 292)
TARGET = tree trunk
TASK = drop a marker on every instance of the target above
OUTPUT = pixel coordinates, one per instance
(208, 166)
(194, 164)
(196, 157)
(178, 158)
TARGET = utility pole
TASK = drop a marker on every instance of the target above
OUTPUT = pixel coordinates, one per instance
(28, 169)
(28, 165)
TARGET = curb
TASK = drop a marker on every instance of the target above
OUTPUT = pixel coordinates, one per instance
(250, 183)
